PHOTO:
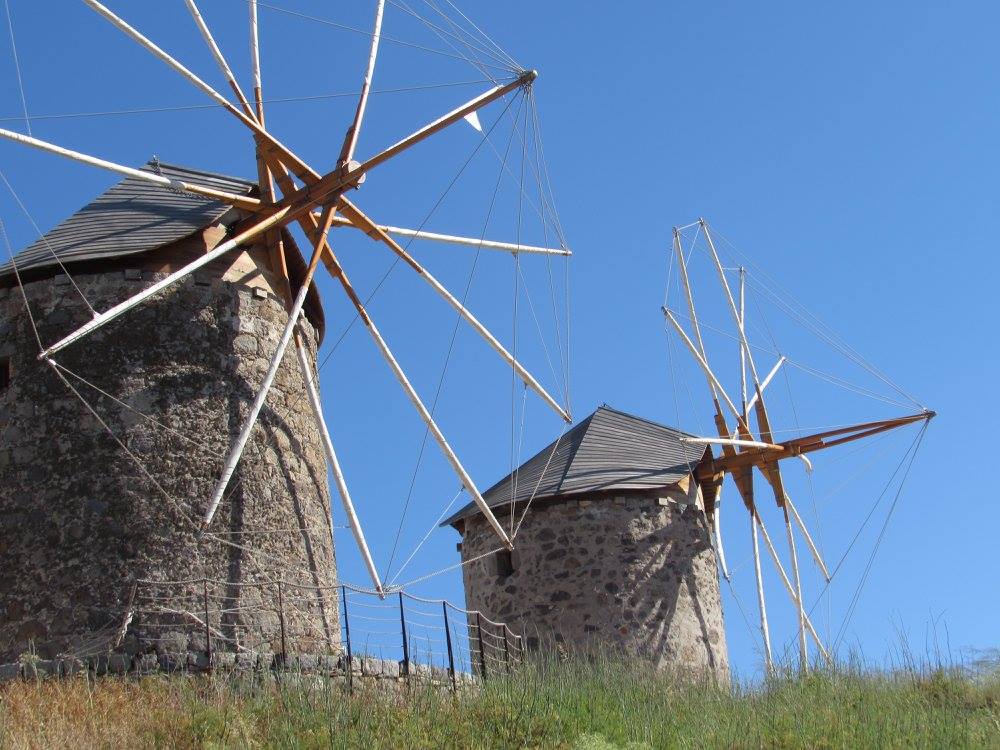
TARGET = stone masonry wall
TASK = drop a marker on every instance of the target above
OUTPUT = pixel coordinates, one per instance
(632, 574)
(81, 520)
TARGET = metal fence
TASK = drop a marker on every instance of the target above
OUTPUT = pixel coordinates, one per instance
(283, 621)
(427, 632)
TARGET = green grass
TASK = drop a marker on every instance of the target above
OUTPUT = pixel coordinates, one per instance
(583, 704)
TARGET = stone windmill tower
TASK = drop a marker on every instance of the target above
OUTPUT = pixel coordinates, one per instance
(616, 552)
(181, 293)
(81, 520)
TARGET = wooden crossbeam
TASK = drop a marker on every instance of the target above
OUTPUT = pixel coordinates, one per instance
(808, 444)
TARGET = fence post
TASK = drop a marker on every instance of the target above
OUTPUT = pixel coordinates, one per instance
(451, 654)
(208, 628)
(281, 623)
(482, 654)
(406, 647)
(506, 650)
(347, 635)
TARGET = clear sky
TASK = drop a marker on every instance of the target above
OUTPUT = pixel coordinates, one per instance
(848, 153)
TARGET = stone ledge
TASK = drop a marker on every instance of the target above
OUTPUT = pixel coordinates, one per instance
(198, 662)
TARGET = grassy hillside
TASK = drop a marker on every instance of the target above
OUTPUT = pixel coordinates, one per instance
(574, 705)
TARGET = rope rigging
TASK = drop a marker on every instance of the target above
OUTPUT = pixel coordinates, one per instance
(454, 336)
(393, 40)
(17, 66)
(216, 106)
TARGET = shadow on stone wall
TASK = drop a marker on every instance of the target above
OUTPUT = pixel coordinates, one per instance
(83, 521)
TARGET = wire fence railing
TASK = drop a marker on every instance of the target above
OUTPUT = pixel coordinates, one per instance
(204, 622)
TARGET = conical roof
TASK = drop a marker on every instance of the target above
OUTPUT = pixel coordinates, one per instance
(133, 216)
(136, 216)
(608, 451)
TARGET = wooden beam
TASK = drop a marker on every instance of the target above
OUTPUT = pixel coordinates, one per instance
(452, 239)
(107, 316)
(239, 444)
(809, 444)
(320, 190)
(733, 442)
(788, 587)
(351, 138)
(422, 410)
(287, 157)
(365, 224)
(232, 199)
(817, 557)
(761, 605)
(220, 59)
(335, 468)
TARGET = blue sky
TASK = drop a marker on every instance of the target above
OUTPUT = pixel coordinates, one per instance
(847, 151)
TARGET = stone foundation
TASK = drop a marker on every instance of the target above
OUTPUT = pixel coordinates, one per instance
(364, 672)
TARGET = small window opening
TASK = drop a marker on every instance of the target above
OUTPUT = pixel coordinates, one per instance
(5, 374)
(505, 563)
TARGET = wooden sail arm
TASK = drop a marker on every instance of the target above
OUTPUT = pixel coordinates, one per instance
(451, 239)
(808, 444)
(365, 224)
(351, 137)
(321, 189)
(233, 199)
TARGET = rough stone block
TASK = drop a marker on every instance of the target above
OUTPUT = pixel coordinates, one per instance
(197, 660)
(259, 293)
(98, 664)
(224, 660)
(146, 663)
(40, 668)
(9, 672)
(328, 664)
(119, 663)
(71, 666)
(247, 660)
(391, 668)
(420, 671)
(172, 662)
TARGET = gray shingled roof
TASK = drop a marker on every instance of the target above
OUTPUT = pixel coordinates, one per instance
(609, 450)
(134, 216)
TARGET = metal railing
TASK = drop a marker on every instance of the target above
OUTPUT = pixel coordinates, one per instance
(284, 621)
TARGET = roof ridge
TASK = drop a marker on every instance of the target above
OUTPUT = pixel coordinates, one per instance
(153, 164)
(606, 407)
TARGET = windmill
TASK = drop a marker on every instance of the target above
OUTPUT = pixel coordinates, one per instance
(748, 446)
(291, 193)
